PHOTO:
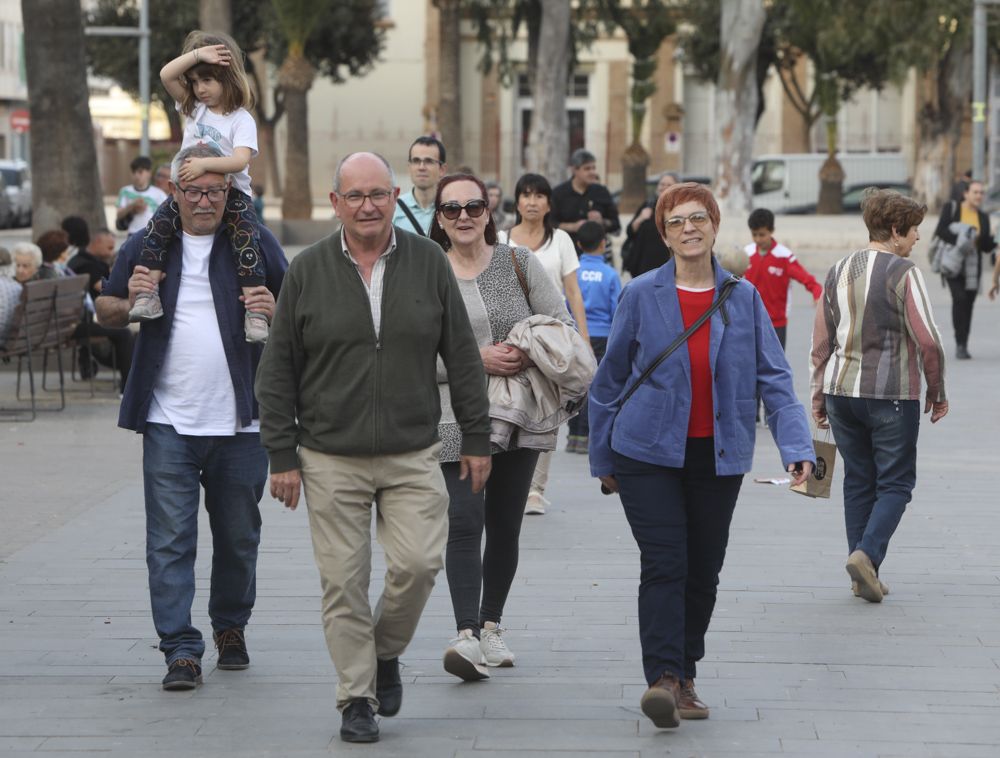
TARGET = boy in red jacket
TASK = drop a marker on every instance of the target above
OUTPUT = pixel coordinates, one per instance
(772, 266)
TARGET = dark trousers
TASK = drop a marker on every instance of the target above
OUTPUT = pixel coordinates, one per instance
(122, 342)
(680, 519)
(962, 301)
(499, 508)
(579, 425)
(877, 439)
(241, 226)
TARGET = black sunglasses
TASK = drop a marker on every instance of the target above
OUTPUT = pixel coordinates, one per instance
(451, 211)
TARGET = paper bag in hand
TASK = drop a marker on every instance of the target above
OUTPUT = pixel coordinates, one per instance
(821, 479)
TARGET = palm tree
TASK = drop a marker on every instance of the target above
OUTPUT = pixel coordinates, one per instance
(63, 156)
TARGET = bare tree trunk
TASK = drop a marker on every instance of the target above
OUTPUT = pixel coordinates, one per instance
(296, 77)
(215, 16)
(943, 94)
(548, 144)
(449, 111)
(736, 100)
(63, 157)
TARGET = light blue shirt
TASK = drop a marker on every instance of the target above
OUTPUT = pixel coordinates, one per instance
(424, 216)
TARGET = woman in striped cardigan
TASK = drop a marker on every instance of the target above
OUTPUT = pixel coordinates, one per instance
(873, 336)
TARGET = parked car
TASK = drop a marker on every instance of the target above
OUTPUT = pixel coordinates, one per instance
(851, 199)
(17, 188)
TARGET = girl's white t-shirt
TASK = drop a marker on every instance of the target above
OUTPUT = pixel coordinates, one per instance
(558, 257)
(236, 129)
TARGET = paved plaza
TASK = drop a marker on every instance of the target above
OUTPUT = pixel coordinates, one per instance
(795, 666)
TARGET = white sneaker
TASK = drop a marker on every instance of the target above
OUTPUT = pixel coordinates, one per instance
(535, 506)
(464, 659)
(494, 650)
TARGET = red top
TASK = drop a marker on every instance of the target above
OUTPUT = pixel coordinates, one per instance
(693, 304)
(771, 272)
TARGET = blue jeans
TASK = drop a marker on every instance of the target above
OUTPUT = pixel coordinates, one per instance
(233, 471)
(680, 520)
(877, 440)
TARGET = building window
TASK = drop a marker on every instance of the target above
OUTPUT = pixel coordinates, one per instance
(577, 86)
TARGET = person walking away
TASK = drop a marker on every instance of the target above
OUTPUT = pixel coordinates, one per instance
(676, 446)
(873, 336)
(601, 287)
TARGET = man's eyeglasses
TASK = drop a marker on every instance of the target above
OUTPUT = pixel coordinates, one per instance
(676, 223)
(194, 195)
(451, 211)
(354, 200)
(425, 162)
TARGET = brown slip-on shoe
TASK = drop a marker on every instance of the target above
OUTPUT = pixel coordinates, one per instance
(881, 585)
(860, 568)
(659, 702)
(690, 705)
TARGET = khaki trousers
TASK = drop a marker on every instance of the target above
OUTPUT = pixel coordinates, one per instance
(411, 502)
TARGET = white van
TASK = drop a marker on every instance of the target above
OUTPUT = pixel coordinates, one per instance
(790, 182)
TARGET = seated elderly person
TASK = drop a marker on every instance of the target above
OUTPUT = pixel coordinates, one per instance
(54, 245)
(28, 263)
(10, 293)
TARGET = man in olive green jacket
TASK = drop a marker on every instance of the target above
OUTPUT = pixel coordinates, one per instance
(349, 408)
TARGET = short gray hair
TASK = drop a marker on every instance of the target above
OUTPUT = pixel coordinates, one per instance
(582, 157)
(340, 166)
(200, 150)
(29, 248)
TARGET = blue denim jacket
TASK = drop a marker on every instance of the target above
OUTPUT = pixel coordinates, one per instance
(151, 347)
(652, 425)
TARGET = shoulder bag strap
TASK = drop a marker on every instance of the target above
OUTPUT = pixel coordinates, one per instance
(727, 288)
(521, 279)
(413, 219)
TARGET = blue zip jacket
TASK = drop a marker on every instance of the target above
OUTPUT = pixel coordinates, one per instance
(652, 426)
(601, 287)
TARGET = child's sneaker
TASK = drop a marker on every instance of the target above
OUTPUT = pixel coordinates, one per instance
(147, 307)
(582, 445)
(255, 327)
(493, 648)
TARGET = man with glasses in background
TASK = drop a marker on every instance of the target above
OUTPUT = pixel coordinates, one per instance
(350, 408)
(190, 394)
(415, 210)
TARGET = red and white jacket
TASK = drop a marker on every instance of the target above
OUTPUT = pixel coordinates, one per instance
(770, 271)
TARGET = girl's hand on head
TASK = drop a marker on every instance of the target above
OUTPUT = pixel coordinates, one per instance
(191, 170)
(217, 55)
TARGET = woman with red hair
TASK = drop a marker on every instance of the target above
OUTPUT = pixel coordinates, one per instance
(672, 418)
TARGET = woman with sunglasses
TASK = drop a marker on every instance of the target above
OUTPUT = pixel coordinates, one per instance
(676, 445)
(535, 229)
(489, 277)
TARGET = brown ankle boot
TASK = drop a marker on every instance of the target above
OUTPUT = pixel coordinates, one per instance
(690, 705)
(659, 702)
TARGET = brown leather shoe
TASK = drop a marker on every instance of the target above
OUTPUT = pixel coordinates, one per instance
(659, 702)
(690, 705)
(881, 585)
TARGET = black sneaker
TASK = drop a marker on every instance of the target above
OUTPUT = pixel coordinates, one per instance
(182, 674)
(358, 723)
(388, 687)
(232, 647)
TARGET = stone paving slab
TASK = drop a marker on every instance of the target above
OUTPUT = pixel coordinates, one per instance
(795, 665)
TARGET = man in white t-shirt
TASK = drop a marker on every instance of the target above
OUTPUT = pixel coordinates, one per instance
(138, 201)
(190, 394)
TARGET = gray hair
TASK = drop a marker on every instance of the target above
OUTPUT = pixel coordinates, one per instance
(29, 248)
(581, 157)
(340, 166)
(194, 151)
(673, 175)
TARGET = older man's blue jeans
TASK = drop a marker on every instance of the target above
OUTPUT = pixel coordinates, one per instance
(877, 440)
(232, 471)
